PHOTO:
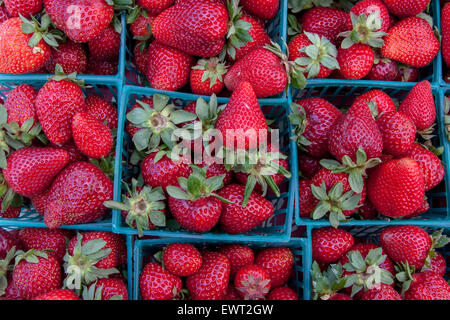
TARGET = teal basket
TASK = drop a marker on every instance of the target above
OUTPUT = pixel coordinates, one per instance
(343, 95)
(116, 79)
(144, 251)
(441, 66)
(28, 216)
(276, 29)
(277, 228)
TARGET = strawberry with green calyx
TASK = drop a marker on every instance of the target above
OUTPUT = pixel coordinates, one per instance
(252, 282)
(156, 122)
(356, 171)
(328, 283)
(207, 77)
(106, 164)
(11, 202)
(438, 240)
(366, 30)
(144, 207)
(106, 289)
(366, 273)
(5, 267)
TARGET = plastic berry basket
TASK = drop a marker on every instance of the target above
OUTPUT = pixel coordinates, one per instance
(277, 228)
(343, 95)
(28, 216)
(371, 234)
(116, 79)
(276, 29)
(441, 66)
(145, 249)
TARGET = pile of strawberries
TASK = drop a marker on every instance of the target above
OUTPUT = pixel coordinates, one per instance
(44, 264)
(405, 266)
(374, 158)
(81, 36)
(230, 272)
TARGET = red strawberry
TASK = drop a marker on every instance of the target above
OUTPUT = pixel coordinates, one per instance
(355, 62)
(106, 45)
(19, 104)
(428, 285)
(141, 28)
(102, 110)
(30, 171)
(155, 6)
(340, 296)
(7, 241)
(3, 14)
(207, 77)
(445, 33)
(282, 293)
(367, 7)
(383, 69)
(167, 68)
(60, 294)
(194, 26)
(326, 22)
(36, 273)
(384, 292)
(26, 8)
(70, 56)
(107, 289)
(398, 133)
(216, 169)
(236, 219)
(181, 259)
(56, 103)
(400, 43)
(141, 58)
(100, 67)
(211, 281)
(406, 8)
(231, 294)
(407, 73)
(375, 97)
(308, 165)
(242, 119)
(430, 165)
(44, 239)
(419, 106)
(156, 283)
(239, 256)
(364, 249)
(262, 69)
(74, 154)
(66, 202)
(396, 187)
(278, 262)
(252, 282)
(91, 136)
(437, 264)
(368, 211)
(330, 244)
(306, 199)
(266, 9)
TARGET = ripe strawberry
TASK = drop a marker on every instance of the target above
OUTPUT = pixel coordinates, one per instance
(407, 73)
(384, 292)
(44, 239)
(75, 155)
(368, 211)
(398, 133)
(78, 181)
(60, 294)
(428, 285)
(313, 119)
(327, 22)
(308, 166)
(167, 68)
(211, 281)
(156, 283)
(19, 104)
(216, 169)
(106, 289)
(278, 262)
(239, 256)
(181, 259)
(282, 293)
(26, 8)
(242, 119)
(102, 110)
(383, 69)
(7, 241)
(355, 62)
(3, 14)
(406, 8)
(70, 56)
(101, 67)
(340, 296)
(419, 106)
(155, 7)
(367, 7)
(252, 282)
(400, 43)
(231, 294)
(36, 273)
(207, 77)
(364, 249)
(195, 27)
(91, 136)
(330, 244)
(327, 283)
(306, 199)
(141, 58)
(236, 219)
(378, 98)
(266, 9)
(106, 45)
(262, 69)
(396, 187)
(445, 32)
(30, 171)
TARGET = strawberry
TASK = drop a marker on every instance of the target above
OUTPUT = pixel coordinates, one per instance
(396, 187)
(167, 68)
(207, 77)
(313, 119)
(30, 171)
(356, 61)
(155, 7)
(384, 292)
(306, 198)
(262, 69)
(327, 22)
(106, 289)
(70, 56)
(400, 43)
(367, 7)
(278, 262)
(428, 285)
(100, 67)
(91, 136)
(211, 280)
(19, 104)
(239, 256)
(102, 110)
(3, 14)
(142, 26)
(36, 273)
(266, 9)
(407, 73)
(419, 106)
(242, 119)
(445, 32)
(44, 239)
(236, 219)
(106, 45)
(330, 244)
(78, 181)
(194, 26)
(181, 259)
(437, 264)
(383, 69)
(216, 170)
(430, 165)
(406, 8)
(75, 155)
(367, 211)
(252, 282)
(371, 99)
(326, 284)
(155, 283)
(60, 294)
(231, 294)
(26, 8)
(398, 133)
(282, 293)
(141, 58)
(7, 241)
(11, 292)
(308, 166)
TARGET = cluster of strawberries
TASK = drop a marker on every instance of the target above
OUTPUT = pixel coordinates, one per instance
(405, 266)
(231, 272)
(44, 264)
